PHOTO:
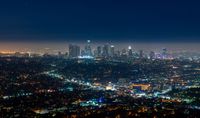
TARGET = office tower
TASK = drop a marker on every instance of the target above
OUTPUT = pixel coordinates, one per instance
(164, 53)
(118, 53)
(99, 51)
(112, 50)
(141, 54)
(88, 49)
(105, 50)
(95, 53)
(83, 52)
(130, 52)
(74, 51)
(152, 55)
(124, 52)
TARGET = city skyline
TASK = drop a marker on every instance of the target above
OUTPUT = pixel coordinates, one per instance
(54, 47)
(99, 58)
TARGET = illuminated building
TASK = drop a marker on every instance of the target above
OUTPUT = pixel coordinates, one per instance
(124, 51)
(130, 52)
(109, 86)
(88, 50)
(85, 57)
(152, 55)
(141, 54)
(164, 53)
(112, 50)
(143, 87)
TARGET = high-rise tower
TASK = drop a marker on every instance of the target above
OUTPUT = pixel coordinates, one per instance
(112, 50)
(88, 49)
(105, 50)
(74, 51)
(130, 52)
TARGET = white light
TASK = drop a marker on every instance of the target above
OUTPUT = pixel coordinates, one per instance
(85, 57)
(129, 47)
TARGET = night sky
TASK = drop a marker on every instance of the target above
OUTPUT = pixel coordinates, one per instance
(100, 20)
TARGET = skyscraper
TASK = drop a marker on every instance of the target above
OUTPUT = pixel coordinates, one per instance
(95, 53)
(164, 53)
(82, 52)
(124, 52)
(74, 51)
(141, 54)
(152, 55)
(112, 50)
(99, 51)
(105, 50)
(118, 53)
(130, 52)
(88, 49)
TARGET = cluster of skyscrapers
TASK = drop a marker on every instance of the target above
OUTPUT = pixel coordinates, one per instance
(109, 51)
(106, 51)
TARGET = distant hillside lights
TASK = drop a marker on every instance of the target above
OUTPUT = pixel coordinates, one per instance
(16, 54)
